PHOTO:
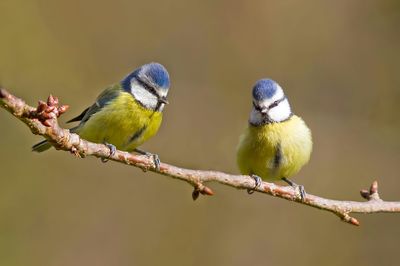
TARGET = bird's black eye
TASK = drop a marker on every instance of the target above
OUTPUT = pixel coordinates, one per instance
(274, 104)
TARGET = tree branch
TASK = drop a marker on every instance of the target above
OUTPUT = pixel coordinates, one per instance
(42, 120)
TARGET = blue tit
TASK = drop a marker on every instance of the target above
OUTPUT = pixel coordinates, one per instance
(276, 144)
(125, 114)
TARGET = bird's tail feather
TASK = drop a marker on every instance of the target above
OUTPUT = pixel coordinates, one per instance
(41, 146)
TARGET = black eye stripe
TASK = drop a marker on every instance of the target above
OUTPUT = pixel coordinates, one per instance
(258, 108)
(275, 104)
(148, 87)
(272, 105)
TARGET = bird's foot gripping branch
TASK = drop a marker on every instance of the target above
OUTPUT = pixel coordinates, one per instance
(42, 120)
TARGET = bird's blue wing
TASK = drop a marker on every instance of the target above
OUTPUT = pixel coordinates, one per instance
(103, 99)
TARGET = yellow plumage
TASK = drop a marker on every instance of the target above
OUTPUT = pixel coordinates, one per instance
(276, 150)
(123, 122)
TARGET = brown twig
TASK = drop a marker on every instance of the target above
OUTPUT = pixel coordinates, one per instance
(43, 121)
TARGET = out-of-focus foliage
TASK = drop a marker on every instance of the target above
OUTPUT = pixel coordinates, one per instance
(338, 62)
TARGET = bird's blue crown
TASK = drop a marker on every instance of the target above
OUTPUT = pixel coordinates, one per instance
(158, 74)
(264, 89)
(153, 71)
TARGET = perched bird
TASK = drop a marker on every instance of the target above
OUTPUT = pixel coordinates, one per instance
(276, 143)
(127, 113)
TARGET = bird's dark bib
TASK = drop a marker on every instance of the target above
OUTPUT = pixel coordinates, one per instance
(277, 157)
(137, 134)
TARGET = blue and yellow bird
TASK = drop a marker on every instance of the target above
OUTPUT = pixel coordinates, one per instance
(127, 113)
(276, 143)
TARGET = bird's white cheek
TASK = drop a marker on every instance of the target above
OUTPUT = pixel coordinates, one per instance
(148, 99)
(281, 112)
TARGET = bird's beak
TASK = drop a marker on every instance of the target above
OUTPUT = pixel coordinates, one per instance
(164, 100)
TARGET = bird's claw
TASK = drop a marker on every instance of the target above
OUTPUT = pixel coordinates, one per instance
(257, 181)
(112, 148)
(302, 192)
(156, 161)
(299, 188)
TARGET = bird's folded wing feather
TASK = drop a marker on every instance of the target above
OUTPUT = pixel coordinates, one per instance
(103, 99)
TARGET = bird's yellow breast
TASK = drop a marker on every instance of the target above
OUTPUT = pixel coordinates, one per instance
(275, 150)
(122, 122)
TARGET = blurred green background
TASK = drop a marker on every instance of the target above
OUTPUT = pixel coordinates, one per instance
(338, 62)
